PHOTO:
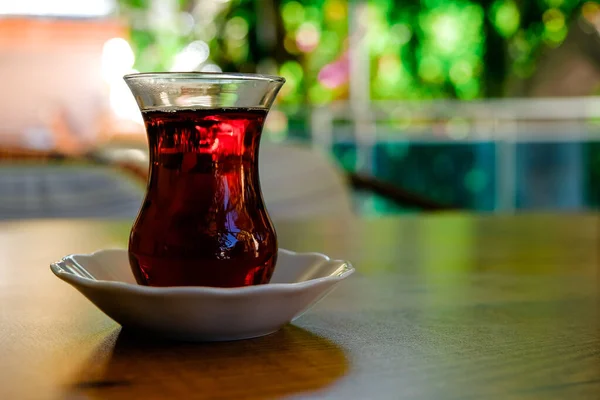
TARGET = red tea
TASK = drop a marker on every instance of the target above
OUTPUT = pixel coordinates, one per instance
(203, 221)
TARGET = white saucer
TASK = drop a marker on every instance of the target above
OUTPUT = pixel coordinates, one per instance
(202, 313)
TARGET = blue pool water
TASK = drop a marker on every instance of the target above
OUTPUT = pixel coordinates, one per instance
(484, 176)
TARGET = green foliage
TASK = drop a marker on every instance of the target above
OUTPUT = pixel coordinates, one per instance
(417, 49)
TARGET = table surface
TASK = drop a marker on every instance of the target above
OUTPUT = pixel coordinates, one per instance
(447, 306)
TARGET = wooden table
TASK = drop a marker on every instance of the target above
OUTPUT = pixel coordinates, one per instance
(442, 307)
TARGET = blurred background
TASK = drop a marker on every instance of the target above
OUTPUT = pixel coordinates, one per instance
(484, 105)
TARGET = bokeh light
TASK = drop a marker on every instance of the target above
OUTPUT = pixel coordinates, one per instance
(335, 74)
(211, 68)
(307, 37)
(117, 59)
(401, 34)
(292, 14)
(276, 126)
(237, 50)
(206, 32)
(446, 29)
(554, 20)
(591, 12)
(506, 17)
(555, 30)
(461, 72)
(191, 56)
(236, 28)
(461, 49)
(186, 23)
(336, 10)
(431, 69)
(450, 40)
(391, 77)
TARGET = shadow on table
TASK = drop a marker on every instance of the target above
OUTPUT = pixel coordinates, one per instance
(285, 363)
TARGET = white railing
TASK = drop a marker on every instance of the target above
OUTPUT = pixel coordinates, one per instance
(505, 122)
(543, 119)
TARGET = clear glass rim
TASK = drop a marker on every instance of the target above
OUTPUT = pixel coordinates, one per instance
(196, 75)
